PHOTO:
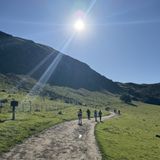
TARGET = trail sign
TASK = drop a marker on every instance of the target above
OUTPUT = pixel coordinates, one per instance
(1, 105)
(14, 104)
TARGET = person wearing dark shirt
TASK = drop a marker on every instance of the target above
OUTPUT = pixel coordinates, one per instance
(88, 113)
(100, 115)
(95, 115)
(80, 117)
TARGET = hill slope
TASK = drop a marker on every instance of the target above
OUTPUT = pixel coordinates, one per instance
(148, 93)
(20, 56)
(25, 57)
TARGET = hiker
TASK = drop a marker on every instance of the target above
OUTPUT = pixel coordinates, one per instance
(95, 115)
(88, 114)
(100, 115)
(119, 112)
(80, 117)
(115, 111)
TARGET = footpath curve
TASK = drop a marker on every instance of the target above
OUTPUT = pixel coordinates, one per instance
(65, 141)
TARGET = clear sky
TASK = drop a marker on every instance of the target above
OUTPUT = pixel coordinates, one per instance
(121, 39)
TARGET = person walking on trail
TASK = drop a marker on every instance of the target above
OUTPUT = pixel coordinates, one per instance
(100, 115)
(115, 110)
(95, 115)
(80, 117)
(88, 114)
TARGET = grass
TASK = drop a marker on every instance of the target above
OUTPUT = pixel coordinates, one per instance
(30, 123)
(25, 125)
(44, 109)
(128, 137)
(132, 136)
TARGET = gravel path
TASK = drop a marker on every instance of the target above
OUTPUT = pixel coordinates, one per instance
(66, 141)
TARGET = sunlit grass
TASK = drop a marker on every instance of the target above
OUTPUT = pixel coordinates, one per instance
(131, 136)
(44, 113)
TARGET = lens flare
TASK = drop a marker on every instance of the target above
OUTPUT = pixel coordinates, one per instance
(79, 25)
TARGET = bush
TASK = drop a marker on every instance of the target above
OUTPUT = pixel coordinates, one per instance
(107, 108)
(60, 112)
(126, 98)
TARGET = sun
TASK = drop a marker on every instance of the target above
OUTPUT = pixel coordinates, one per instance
(79, 25)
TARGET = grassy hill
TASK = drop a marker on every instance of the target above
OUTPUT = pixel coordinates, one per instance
(18, 84)
(54, 105)
(74, 85)
(25, 57)
(131, 136)
(147, 93)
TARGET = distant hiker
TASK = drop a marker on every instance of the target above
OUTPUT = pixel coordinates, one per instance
(88, 113)
(100, 115)
(80, 117)
(119, 112)
(95, 115)
(115, 111)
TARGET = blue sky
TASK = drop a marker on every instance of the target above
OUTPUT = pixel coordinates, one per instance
(121, 39)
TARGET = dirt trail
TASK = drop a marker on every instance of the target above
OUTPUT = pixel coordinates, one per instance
(66, 141)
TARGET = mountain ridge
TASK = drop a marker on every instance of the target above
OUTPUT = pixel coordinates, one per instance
(21, 56)
(25, 57)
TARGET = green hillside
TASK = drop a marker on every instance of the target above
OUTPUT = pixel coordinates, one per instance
(131, 136)
(25, 57)
(74, 85)
(53, 105)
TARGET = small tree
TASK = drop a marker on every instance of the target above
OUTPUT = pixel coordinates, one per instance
(126, 98)
(107, 108)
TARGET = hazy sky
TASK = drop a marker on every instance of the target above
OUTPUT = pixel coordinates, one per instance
(121, 39)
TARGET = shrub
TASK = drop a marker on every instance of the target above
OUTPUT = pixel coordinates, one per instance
(126, 98)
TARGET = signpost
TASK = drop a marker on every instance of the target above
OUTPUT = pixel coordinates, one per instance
(14, 104)
(1, 105)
